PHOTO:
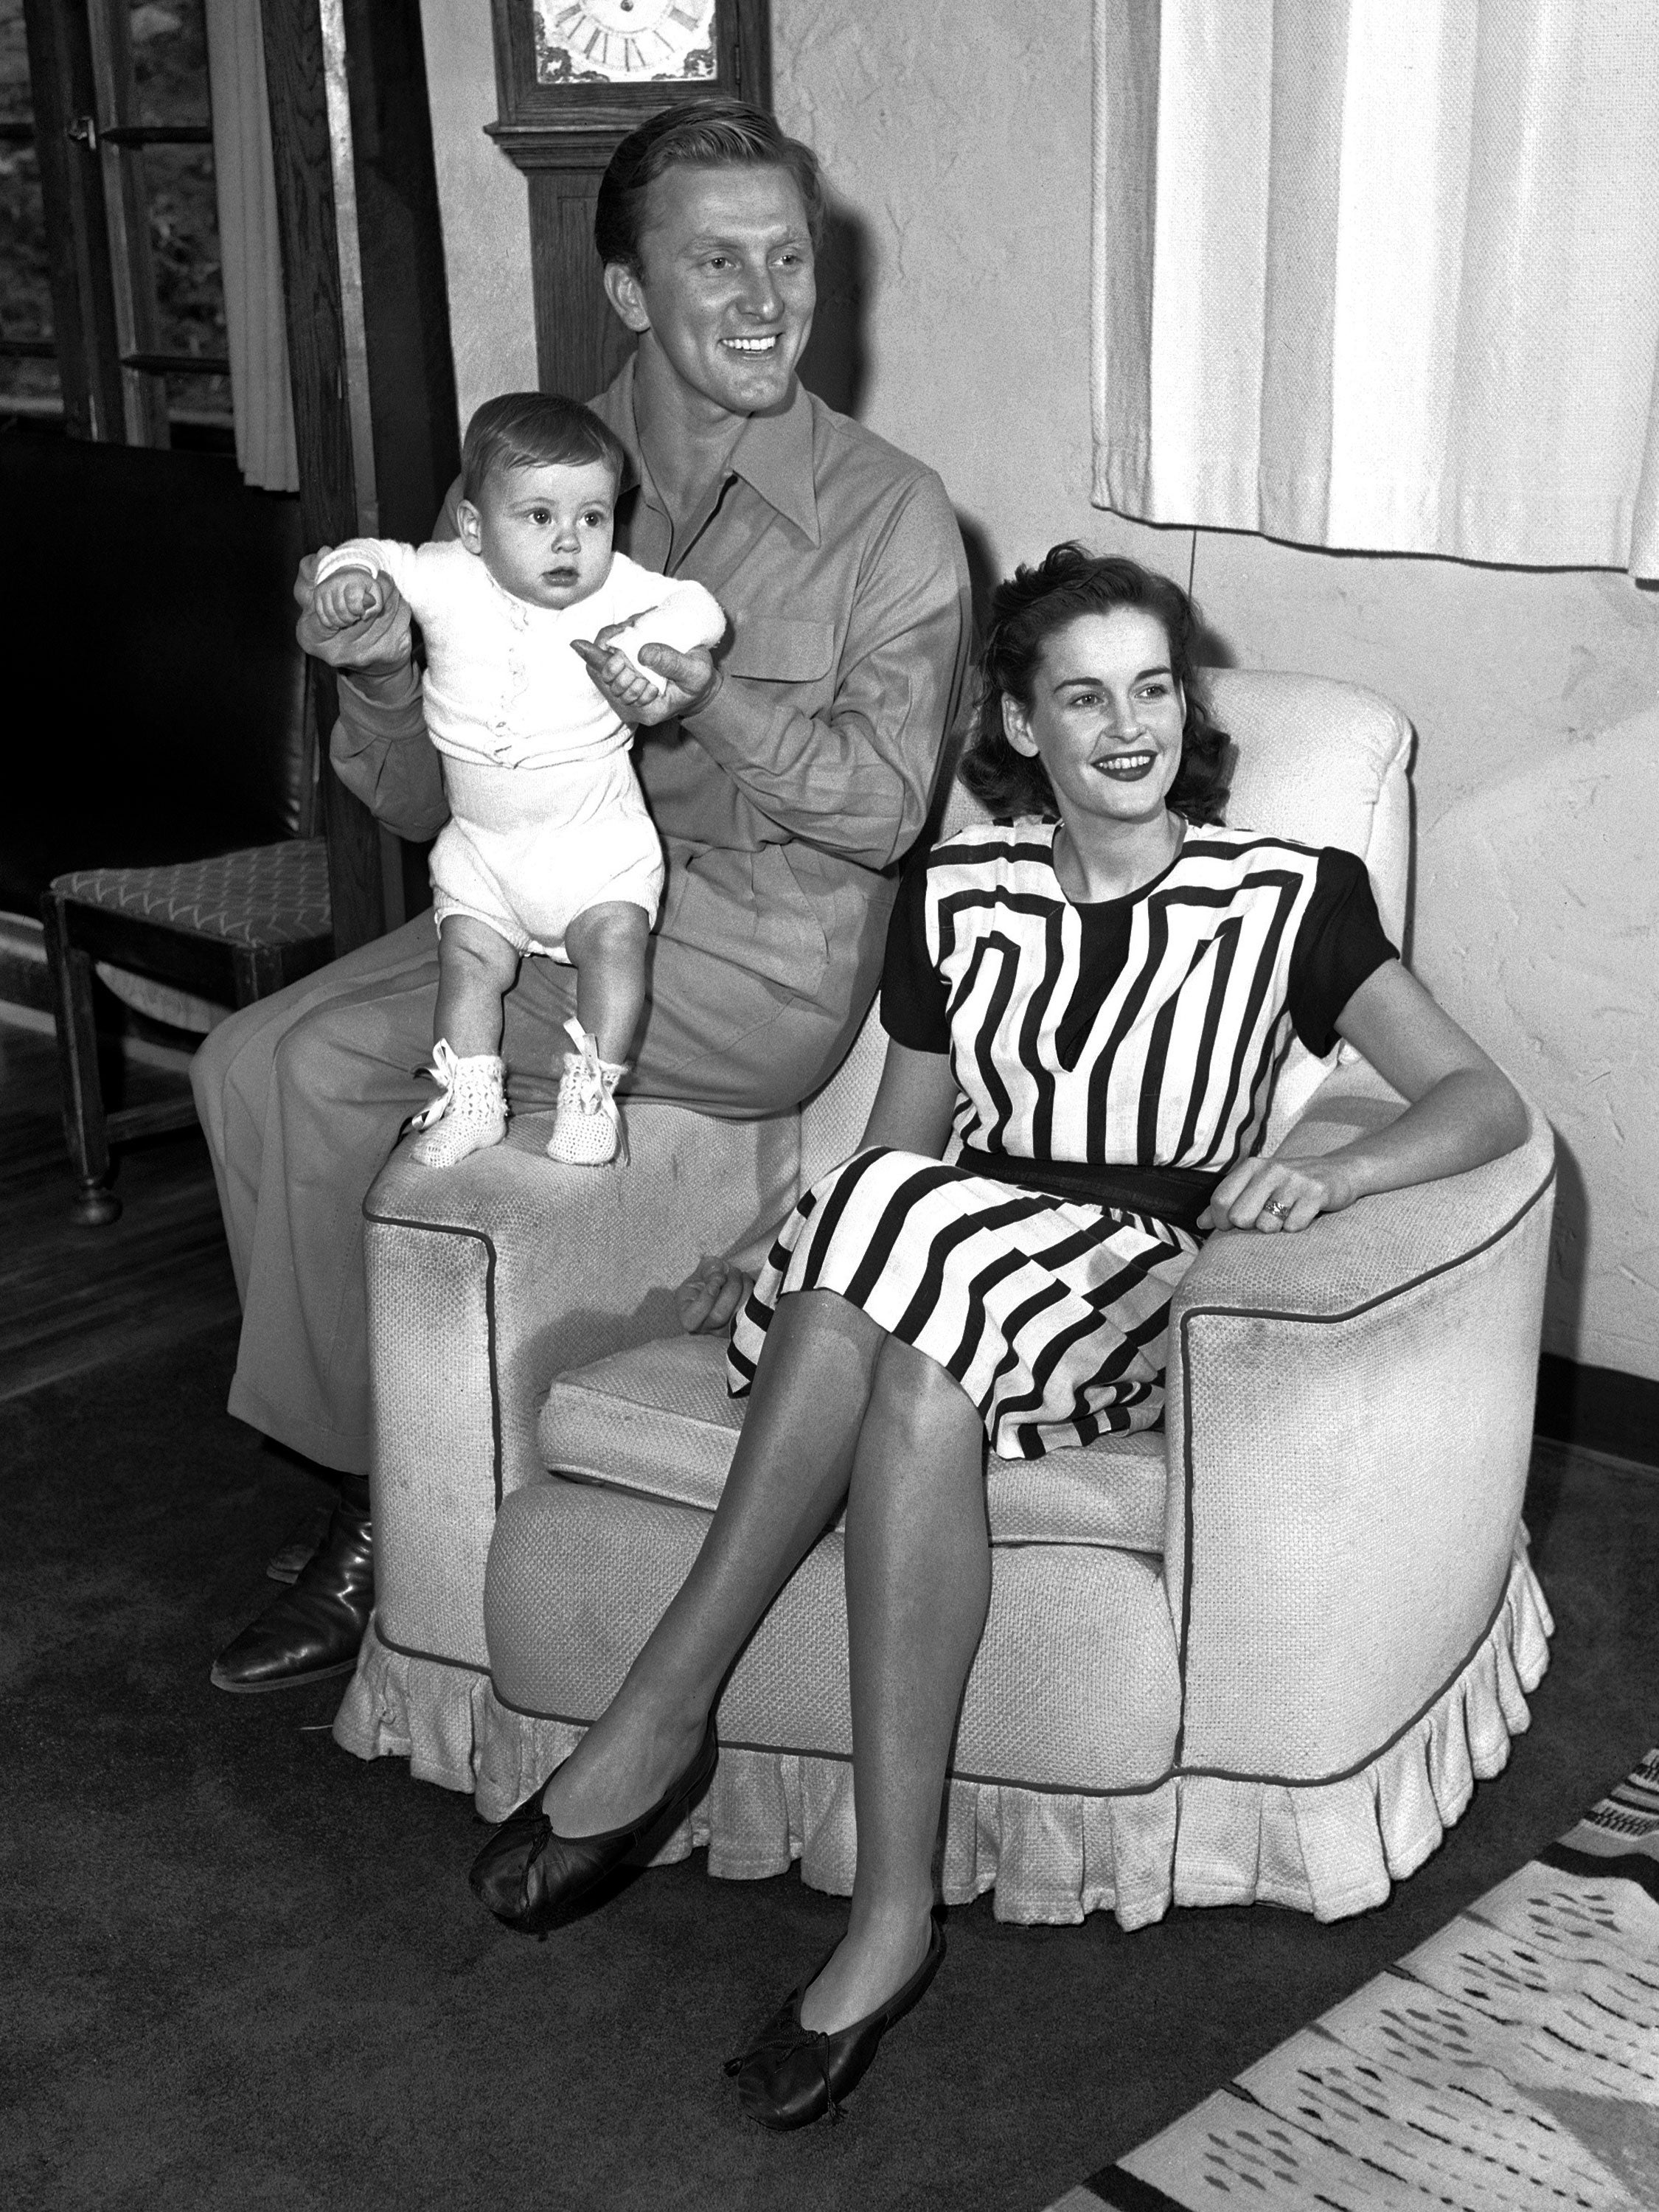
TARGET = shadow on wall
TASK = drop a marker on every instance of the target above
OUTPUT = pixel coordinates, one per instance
(836, 362)
(1570, 1244)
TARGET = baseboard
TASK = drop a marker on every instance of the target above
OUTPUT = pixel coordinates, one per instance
(1598, 1408)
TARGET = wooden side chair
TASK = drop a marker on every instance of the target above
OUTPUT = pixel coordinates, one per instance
(226, 931)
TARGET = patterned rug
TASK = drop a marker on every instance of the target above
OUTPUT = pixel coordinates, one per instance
(1511, 2061)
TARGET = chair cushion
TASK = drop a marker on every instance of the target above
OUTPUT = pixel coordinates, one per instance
(656, 1419)
(266, 895)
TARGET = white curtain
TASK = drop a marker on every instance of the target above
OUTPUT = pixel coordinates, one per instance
(249, 248)
(1382, 274)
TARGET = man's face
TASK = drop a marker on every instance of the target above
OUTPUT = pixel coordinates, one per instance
(544, 532)
(726, 289)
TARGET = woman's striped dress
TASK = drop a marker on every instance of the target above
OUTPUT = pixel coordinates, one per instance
(1112, 1062)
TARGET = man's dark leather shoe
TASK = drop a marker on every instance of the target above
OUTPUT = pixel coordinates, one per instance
(313, 1630)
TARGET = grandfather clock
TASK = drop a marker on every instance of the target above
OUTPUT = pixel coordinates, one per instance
(573, 77)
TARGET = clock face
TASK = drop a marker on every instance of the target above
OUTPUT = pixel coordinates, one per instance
(624, 41)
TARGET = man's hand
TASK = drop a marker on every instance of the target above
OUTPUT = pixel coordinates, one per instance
(1271, 1195)
(692, 677)
(706, 1301)
(377, 643)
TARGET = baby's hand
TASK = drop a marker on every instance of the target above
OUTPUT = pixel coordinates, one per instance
(346, 597)
(682, 681)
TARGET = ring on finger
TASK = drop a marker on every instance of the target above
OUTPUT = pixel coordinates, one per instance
(1273, 1206)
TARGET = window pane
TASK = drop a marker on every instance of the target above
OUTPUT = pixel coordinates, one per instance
(14, 64)
(25, 281)
(190, 302)
(170, 85)
(170, 61)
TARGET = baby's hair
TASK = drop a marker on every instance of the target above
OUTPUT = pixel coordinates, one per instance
(528, 430)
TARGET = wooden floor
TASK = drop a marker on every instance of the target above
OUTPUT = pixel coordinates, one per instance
(71, 1298)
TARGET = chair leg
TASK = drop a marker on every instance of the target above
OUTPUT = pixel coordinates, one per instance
(84, 1130)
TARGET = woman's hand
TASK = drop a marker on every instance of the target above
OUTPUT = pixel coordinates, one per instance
(692, 677)
(1271, 1195)
(376, 644)
(706, 1301)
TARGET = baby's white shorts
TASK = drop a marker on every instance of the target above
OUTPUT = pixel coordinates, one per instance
(527, 850)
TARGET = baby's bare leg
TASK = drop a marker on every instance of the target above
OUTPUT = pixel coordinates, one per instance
(476, 970)
(606, 944)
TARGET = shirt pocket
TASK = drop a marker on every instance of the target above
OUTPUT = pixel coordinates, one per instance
(767, 650)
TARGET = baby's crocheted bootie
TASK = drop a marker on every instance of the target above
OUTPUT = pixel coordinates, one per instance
(469, 1112)
(587, 1128)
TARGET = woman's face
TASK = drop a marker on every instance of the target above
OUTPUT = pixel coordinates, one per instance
(1105, 718)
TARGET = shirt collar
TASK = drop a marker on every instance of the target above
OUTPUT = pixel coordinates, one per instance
(773, 454)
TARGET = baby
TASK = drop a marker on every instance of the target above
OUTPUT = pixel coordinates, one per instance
(549, 849)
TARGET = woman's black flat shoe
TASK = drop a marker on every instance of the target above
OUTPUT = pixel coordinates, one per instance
(533, 1880)
(792, 2075)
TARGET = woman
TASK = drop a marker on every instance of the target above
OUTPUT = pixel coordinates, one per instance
(1085, 1008)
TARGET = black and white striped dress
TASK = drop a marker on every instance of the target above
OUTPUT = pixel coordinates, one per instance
(1112, 1062)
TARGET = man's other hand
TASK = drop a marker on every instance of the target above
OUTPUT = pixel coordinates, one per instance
(706, 1301)
(376, 644)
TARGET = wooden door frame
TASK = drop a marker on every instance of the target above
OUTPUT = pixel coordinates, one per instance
(349, 349)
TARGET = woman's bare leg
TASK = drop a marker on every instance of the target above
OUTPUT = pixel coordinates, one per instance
(788, 1478)
(918, 1586)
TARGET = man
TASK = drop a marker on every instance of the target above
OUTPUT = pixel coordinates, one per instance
(788, 774)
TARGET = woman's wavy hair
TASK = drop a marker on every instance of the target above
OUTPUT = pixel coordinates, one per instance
(1025, 612)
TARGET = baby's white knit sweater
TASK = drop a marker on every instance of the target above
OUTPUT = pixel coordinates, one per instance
(503, 686)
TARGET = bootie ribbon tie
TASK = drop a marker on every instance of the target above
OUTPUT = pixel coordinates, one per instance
(590, 1075)
(442, 1072)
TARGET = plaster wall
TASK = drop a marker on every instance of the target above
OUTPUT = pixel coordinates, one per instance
(483, 205)
(957, 138)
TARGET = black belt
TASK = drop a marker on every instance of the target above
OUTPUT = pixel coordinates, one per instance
(1176, 1194)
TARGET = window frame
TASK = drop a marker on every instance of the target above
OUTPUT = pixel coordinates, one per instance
(90, 148)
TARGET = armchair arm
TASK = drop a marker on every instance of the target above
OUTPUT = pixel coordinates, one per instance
(487, 1279)
(1350, 1422)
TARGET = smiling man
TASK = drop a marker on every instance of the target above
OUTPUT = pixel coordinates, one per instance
(788, 773)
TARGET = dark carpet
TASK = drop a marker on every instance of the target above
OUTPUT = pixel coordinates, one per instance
(243, 1971)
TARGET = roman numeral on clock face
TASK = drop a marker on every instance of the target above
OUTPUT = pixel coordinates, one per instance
(646, 39)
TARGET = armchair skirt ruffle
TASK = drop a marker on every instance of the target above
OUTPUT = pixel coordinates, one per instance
(1330, 1847)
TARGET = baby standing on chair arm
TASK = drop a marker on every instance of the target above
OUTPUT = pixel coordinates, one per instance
(549, 849)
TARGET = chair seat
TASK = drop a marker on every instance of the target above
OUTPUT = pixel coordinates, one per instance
(656, 1419)
(262, 897)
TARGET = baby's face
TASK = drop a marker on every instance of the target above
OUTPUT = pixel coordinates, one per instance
(544, 532)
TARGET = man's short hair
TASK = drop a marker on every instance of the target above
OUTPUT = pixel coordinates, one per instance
(528, 430)
(707, 133)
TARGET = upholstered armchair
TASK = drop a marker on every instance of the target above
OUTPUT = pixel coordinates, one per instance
(1262, 1654)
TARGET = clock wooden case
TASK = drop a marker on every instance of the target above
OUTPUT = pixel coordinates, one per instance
(573, 77)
